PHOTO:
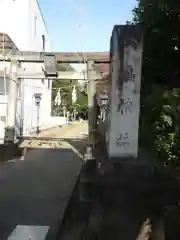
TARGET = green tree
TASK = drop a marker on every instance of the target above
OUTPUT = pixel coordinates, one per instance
(160, 22)
(65, 67)
(65, 86)
(81, 104)
(160, 100)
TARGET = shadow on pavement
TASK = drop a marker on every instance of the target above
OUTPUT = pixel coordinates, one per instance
(8, 151)
(43, 190)
(36, 191)
(78, 143)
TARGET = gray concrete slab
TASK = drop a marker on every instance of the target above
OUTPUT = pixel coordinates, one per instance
(23, 232)
(36, 191)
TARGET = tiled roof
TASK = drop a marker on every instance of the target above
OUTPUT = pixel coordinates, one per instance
(6, 42)
(83, 56)
(60, 56)
(102, 68)
(92, 55)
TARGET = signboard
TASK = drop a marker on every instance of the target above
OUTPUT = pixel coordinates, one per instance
(125, 96)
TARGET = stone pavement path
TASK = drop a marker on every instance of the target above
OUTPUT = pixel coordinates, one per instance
(36, 191)
(75, 130)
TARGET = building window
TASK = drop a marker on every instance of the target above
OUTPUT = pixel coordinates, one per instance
(49, 83)
(43, 42)
(35, 26)
(19, 91)
(3, 119)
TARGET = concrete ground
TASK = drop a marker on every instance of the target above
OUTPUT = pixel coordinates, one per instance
(128, 196)
(35, 190)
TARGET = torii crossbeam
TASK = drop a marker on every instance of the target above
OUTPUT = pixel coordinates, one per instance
(20, 66)
(61, 57)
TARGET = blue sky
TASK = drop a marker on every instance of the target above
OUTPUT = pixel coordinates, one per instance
(76, 25)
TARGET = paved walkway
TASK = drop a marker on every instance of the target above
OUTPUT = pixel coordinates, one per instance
(36, 191)
(58, 131)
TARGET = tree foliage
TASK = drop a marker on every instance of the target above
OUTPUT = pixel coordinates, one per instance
(65, 67)
(66, 91)
(160, 21)
(81, 105)
(160, 97)
(66, 87)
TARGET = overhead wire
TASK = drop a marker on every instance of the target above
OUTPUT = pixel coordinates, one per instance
(79, 27)
(63, 87)
(85, 73)
(69, 86)
(78, 11)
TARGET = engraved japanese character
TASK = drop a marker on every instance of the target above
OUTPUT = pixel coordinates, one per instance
(122, 140)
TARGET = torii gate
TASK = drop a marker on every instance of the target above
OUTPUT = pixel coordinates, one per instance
(18, 67)
(122, 122)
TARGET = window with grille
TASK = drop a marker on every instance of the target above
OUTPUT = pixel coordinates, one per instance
(3, 87)
(43, 42)
(19, 91)
(35, 26)
(49, 83)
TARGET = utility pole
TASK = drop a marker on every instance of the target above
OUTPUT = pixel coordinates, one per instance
(91, 86)
(12, 103)
(38, 101)
(87, 175)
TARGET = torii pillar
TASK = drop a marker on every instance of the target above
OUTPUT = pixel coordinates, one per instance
(12, 103)
(92, 102)
(124, 103)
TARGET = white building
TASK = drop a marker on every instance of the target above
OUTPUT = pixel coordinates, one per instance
(22, 24)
